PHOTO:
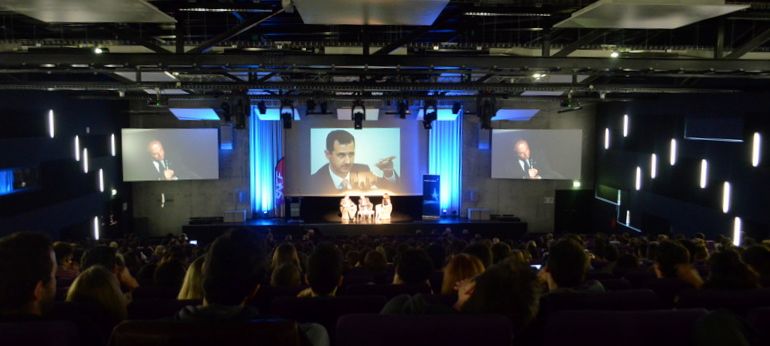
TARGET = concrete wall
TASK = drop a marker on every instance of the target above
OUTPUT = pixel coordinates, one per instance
(186, 199)
(532, 201)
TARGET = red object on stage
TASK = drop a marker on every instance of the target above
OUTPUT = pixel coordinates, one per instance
(279, 174)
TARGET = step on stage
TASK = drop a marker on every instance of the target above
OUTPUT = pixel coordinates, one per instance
(205, 233)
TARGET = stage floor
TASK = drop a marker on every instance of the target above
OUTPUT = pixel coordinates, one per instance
(206, 233)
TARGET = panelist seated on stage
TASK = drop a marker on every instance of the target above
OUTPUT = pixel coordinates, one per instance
(342, 173)
(348, 208)
(365, 207)
(384, 209)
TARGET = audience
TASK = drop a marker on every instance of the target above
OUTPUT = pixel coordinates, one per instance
(192, 285)
(500, 251)
(413, 267)
(481, 251)
(28, 276)
(460, 267)
(284, 253)
(286, 276)
(672, 261)
(97, 288)
(68, 268)
(728, 272)
(758, 259)
(567, 267)
(324, 271)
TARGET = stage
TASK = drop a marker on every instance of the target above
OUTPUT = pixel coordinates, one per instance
(205, 233)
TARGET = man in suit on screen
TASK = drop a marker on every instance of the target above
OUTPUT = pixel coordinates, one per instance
(525, 166)
(342, 173)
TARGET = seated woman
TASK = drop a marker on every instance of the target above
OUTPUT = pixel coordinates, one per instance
(365, 209)
(348, 209)
(384, 209)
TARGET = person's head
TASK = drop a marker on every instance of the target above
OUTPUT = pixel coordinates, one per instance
(508, 288)
(64, 253)
(234, 267)
(567, 264)
(460, 267)
(155, 148)
(324, 269)
(100, 255)
(285, 253)
(437, 255)
(500, 251)
(521, 147)
(728, 271)
(287, 275)
(169, 274)
(758, 258)
(669, 257)
(375, 261)
(481, 251)
(340, 151)
(192, 286)
(27, 274)
(413, 266)
(386, 197)
(98, 286)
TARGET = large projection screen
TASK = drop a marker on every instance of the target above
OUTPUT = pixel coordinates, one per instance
(359, 160)
(536, 154)
(170, 154)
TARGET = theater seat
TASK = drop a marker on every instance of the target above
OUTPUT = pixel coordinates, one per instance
(759, 320)
(410, 330)
(628, 328)
(388, 290)
(738, 301)
(155, 309)
(616, 284)
(183, 333)
(617, 301)
(43, 333)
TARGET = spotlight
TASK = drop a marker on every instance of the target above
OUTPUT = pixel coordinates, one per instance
(310, 104)
(226, 112)
(569, 104)
(261, 107)
(287, 113)
(456, 107)
(403, 107)
(359, 112)
(429, 114)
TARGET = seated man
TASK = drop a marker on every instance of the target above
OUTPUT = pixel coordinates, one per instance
(567, 267)
(365, 209)
(324, 272)
(384, 209)
(28, 272)
(348, 209)
(232, 272)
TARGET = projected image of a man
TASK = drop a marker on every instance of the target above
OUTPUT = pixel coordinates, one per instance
(162, 169)
(524, 154)
(342, 173)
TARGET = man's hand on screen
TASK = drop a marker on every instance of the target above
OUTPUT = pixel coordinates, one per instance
(386, 165)
(364, 180)
(169, 174)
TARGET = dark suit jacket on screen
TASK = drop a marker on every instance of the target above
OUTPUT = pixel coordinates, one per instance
(322, 181)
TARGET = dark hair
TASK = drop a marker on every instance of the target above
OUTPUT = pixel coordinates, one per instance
(324, 269)
(669, 256)
(234, 266)
(62, 251)
(375, 261)
(169, 274)
(508, 288)
(758, 257)
(567, 263)
(340, 136)
(481, 252)
(100, 255)
(727, 272)
(25, 260)
(500, 251)
(414, 266)
(437, 255)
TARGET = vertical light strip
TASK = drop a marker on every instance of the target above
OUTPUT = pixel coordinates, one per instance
(704, 173)
(737, 231)
(672, 152)
(628, 218)
(755, 149)
(619, 197)
(101, 180)
(445, 159)
(112, 145)
(625, 125)
(726, 197)
(77, 148)
(653, 166)
(606, 138)
(638, 179)
(96, 228)
(50, 123)
(85, 160)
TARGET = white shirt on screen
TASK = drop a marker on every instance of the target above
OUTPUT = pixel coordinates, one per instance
(338, 181)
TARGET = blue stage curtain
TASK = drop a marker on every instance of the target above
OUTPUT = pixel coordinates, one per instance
(445, 157)
(265, 149)
(6, 181)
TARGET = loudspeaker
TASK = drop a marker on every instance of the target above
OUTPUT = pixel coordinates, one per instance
(572, 211)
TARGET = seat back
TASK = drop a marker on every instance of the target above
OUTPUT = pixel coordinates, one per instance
(43, 333)
(411, 330)
(325, 310)
(759, 320)
(629, 328)
(387, 290)
(738, 301)
(616, 284)
(199, 333)
(625, 300)
(155, 309)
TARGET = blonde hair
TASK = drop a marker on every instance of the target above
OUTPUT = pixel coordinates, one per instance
(192, 286)
(460, 267)
(97, 285)
(285, 253)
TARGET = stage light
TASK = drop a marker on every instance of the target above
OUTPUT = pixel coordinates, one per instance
(262, 107)
(77, 148)
(99, 50)
(310, 106)
(538, 75)
(96, 228)
(756, 149)
(625, 125)
(456, 107)
(606, 138)
(614, 54)
(576, 184)
(653, 166)
(85, 160)
(113, 150)
(114, 192)
(726, 191)
(101, 180)
(402, 108)
(287, 113)
(436, 47)
(737, 231)
(672, 152)
(358, 114)
(430, 113)
(628, 218)
(50, 123)
(704, 169)
(638, 179)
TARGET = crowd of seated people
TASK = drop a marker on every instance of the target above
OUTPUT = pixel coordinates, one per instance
(245, 276)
